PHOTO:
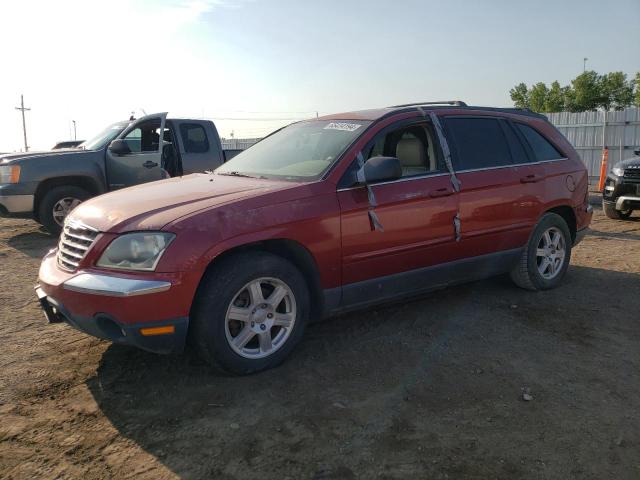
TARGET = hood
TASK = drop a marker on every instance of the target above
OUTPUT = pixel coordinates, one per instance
(153, 205)
(633, 161)
(54, 154)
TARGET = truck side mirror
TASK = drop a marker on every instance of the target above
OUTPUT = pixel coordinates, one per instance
(119, 147)
(379, 169)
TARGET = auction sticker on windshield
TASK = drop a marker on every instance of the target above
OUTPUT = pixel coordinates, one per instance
(347, 127)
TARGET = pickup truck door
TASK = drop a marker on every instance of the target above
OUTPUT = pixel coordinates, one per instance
(200, 147)
(143, 164)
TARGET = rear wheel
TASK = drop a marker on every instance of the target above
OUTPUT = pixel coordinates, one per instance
(546, 257)
(611, 212)
(57, 203)
(250, 312)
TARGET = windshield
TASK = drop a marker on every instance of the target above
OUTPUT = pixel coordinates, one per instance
(104, 137)
(302, 151)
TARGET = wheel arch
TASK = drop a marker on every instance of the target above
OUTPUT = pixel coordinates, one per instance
(569, 216)
(294, 252)
(85, 182)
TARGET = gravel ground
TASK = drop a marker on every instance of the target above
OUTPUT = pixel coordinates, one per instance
(427, 389)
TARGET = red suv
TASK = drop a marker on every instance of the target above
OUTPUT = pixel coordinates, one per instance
(323, 216)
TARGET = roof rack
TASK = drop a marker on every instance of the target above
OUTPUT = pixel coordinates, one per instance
(457, 103)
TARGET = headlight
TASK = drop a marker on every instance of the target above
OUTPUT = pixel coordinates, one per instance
(136, 251)
(618, 171)
(9, 173)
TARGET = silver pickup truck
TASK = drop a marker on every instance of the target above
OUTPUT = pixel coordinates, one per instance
(46, 186)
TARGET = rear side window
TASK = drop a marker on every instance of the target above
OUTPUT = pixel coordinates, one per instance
(478, 142)
(194, 138)
(542, 149)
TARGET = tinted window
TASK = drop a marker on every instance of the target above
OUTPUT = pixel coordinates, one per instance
(478, 142)
(194, 138)
(518, 152)
(542, 149)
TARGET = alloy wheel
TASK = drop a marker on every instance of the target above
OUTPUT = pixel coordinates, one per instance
(62, 208)
(260, 318)
(551, 253)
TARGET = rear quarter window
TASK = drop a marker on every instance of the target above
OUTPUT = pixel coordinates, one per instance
(478, 143)
(542, 148)
(194, 138)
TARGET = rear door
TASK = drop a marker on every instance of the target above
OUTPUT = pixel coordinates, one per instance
(200, 148)
(416, 212)
(496, 212)
(144, 162)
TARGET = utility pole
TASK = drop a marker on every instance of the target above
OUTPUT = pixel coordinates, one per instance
(584, 64)
(74, 130)
(24, 124)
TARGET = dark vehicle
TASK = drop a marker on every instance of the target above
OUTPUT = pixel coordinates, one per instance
(621, 195)
(46, 186)
(323, 216)
(67, 144)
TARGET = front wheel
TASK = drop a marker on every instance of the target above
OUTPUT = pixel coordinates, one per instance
(611, 212)
(57, 203)
(546, 257)
(250, 312)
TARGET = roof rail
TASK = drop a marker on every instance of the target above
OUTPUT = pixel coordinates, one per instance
(457, 103)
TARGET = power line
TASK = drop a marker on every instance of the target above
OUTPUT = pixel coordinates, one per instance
(22, 108)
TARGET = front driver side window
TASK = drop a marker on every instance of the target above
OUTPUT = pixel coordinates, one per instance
(145, 137)
(413, 145)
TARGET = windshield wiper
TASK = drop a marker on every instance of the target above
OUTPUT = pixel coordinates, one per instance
(236, 174)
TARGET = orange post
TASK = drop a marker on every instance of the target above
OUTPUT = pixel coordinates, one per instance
(603, 169)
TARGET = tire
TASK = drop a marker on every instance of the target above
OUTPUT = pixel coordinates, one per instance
(218, 335)
(51, 200)
(611, 212)
(527, 273)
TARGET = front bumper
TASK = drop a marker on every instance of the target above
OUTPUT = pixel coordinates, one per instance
(16, 205)
(626, 202)
(150, 312)
(166, 337)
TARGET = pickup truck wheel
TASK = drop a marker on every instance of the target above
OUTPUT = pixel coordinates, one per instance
(56, 205)
(546, 257)
(611, 212)
(250, 312)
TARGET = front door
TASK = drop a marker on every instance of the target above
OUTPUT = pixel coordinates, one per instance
(144, 161)
(416, 213)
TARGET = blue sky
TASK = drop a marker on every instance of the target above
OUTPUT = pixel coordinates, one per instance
(95, 62)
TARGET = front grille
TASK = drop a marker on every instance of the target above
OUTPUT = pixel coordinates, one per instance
(632, 174)
(75, 240)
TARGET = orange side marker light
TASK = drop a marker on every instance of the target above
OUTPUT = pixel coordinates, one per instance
(151, 331)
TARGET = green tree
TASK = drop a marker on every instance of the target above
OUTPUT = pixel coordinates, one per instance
(636, 100)
(615, 91)
(538, 97)
(556, 98)
(520, 96)
(585, 92)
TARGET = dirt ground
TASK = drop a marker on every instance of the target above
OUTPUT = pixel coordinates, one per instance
(426, 389)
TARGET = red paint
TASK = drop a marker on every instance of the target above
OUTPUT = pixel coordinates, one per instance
(211, 214)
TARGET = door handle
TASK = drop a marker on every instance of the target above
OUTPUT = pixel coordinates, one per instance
(441, 192)
(149, 164)
(533, 178)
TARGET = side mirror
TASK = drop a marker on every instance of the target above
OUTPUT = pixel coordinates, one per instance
(379, 169)
(119, 147)
(637, 152)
